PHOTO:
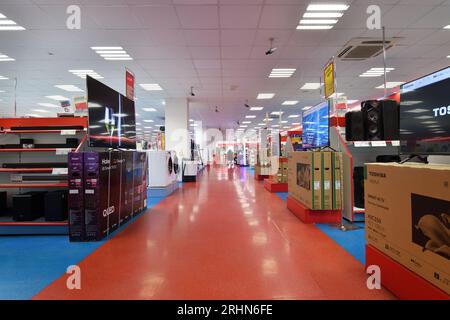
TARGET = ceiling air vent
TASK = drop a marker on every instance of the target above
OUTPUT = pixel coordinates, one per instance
(359, 49)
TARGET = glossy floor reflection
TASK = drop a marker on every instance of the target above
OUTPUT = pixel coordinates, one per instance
(224, 237)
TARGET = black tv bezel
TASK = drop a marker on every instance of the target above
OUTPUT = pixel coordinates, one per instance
(329, 138)
(401, 148)
(91, 143)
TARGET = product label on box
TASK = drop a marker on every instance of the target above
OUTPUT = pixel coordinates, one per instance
(60, 171)
(89, 191)
(68, 132)
(327, 185)
(317, 185)
(73, 191)
(63, 151)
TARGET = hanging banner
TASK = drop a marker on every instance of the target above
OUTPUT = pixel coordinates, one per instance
(129, 84)
(328, 79)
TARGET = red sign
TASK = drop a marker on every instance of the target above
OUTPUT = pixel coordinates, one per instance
(129, 83)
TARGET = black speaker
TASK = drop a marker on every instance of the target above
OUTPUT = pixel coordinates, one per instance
(381, 120)
(358, 184)
(390, 111)
(3, 197)
(56, 206)
(354, 126)
(28, 206)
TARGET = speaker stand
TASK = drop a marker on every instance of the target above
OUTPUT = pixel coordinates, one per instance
(422, 159)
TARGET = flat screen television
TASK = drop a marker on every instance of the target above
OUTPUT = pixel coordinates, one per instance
(112, 122)
(425, 115)
(316, 126)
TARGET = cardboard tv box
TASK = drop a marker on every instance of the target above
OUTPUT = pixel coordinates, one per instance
(304, 178)
(408, 217)
(327, 182)
(337, 180)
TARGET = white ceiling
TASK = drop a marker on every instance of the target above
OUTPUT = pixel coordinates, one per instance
(217, 46)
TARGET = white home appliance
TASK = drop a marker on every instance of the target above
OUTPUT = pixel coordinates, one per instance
(161, 169)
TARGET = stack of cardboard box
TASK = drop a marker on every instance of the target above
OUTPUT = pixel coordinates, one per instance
(315, 179)
(408, 217)
(282, 174)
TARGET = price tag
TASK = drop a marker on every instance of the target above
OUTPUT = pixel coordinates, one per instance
(68, 132)
(63, 151)
(74, 191)
(362, 144)
(395, 143)
(60, 171)
(379, 144)
(89, 191)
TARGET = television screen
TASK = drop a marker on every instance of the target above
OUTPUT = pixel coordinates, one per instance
(111, 117)
(316, 126)
(425, 115)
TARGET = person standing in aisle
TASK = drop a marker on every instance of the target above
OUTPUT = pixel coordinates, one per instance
(230, 159)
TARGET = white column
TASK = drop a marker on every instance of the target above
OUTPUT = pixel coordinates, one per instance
(177, 127)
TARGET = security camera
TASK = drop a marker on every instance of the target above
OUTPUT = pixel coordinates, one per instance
(272, 49)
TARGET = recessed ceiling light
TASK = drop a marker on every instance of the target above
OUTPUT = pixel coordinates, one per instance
(111, 52)
(151, 86)
(390, 85)
(256, 108)
(7, 22)
(447, 27)
(106, 48)
(311, 86)
(305, 27)
(243, 126)
(250, 117)
(307, 108)
(246, 122)
(281, 73)
(82, 73)
(375, 72)
(3, 78)
(265, 96)
(290, 103)
(48, 105)
(69, 87)
(294, 116)
(57, 98)
(327, 7)
(148, 121)
(40, 110)
(319, 21)
(277, 113)
(149, 109)
(352, 101)
(11, 28)
(148, 127)
(323, 15)
(119, 58)
(4, 58)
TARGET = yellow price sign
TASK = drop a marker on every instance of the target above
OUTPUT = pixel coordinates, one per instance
(328, 76)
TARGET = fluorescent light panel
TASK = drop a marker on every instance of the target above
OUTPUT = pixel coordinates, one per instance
(304, 27)
(311, 86)
(319, 21)
(323, 15)
(112, 53)
(256, 108)
(290, 103)
(265, 96)
(57, 98)
(282, 73)
(48, 105)
(151, 86)
(149, 109)
(69, 88)
(4, 58)
(327, 7)
(82, 73)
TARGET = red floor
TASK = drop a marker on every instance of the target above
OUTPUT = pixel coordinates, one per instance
(224, 237)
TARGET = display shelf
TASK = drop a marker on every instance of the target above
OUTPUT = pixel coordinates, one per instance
(401, 281)
(27, 170)
(32, 185)
(67, 132)
(37, 227)
(309, 216)
(62, 150)
(275, 187)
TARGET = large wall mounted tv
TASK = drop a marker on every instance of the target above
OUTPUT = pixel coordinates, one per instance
(112, 119)
(316, 126)
(425, 115)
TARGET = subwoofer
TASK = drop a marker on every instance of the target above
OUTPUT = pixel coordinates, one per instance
(381, 120)
(354, 126)
(358, 184)
(56, 206)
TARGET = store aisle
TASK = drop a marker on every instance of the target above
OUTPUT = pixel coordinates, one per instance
(222, 238)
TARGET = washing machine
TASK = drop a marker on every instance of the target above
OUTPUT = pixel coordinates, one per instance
(161, 171)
